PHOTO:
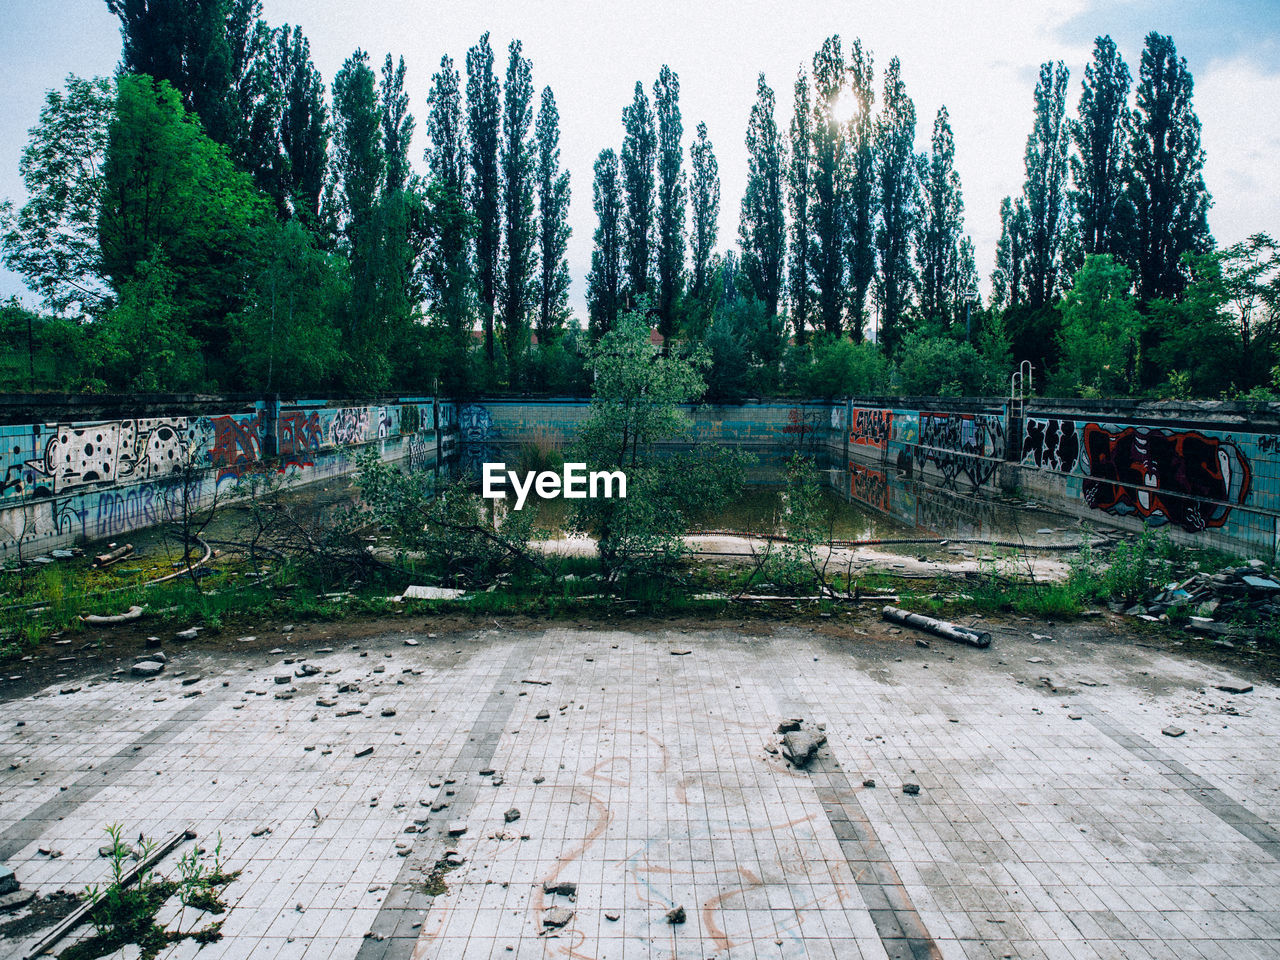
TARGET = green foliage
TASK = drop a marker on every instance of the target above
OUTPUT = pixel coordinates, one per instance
(172, 195)
(635, 405)
(941, 366)
(144, 346)
(446, 528)
(796, 563)
(52, 241)
(1101, 327)
(837, 367)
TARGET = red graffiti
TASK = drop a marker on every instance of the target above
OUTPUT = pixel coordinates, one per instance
(300, 439)
(237, 445)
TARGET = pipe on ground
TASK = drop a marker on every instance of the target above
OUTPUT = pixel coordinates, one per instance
(939, 628)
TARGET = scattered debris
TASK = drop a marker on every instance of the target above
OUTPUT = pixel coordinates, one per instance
(511, 816)
(787, 726)
(457, 828)
(133, 613)
(1234, 687)
(869, 784)
(147, 668)
(1172, 731)
(565, 888)
(113, 556)
(911, 789)
(676, 915)
(363, 752)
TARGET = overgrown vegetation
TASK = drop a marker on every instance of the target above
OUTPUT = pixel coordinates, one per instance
(126, 915)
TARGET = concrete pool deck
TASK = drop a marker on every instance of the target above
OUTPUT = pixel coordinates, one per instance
(1053, 819)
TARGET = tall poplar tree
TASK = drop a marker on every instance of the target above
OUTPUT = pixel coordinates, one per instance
(1008, 280)
(184, 42)
(1101, 156)
(359, 173)
(941, 224)
(1045, 189)
(671, 199)
(483, 124)
(799, 186)
(762, 225)
(515, 292)
(827, 199)
(449, 273)
(304, 128)
(639, 152)
(604, 282)
(861, 201)
(397, 124)
(1166, 185)
(705, 197)
(553, 223)
(898, 202)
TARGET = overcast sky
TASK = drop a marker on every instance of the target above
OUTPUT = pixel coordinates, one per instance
(980, 59)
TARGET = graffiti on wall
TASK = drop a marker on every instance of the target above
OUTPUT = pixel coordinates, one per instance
(871, 428)
(237, 443)
(1179, 477)
(298, 438)
(963, 446)
(72, 457)
(1054, 444)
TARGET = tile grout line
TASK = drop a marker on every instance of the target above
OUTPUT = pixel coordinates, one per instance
(33, 824)
(1231, 812)
(898, 924)
(404, 906)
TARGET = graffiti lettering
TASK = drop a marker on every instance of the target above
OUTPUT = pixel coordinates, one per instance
(871, 428)
(968, 446)
(1051, 443)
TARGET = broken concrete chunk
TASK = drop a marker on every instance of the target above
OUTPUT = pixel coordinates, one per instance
(457, 828)
(1172, 731)
(189, 634)
(147, 668)
(676, 915)
(556, 917)
(1234, 687)
(8, 882)
(542, 715)
(18, 898)
(565, 888)
(363, 752)
(800, 746)
(869, 784)
(511, 816)
(261, 831)
(787, 726)
(911, 789)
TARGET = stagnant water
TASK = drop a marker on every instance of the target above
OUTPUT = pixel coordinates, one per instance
(858, 507)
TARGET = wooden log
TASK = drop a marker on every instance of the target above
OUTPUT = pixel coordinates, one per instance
(119, 553)
(939, 628)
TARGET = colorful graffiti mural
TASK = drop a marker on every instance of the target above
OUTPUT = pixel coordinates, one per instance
(61, 482)
(1188, 478)
(1185, 478)
(871, 428)
(965, 447)
(869, 486)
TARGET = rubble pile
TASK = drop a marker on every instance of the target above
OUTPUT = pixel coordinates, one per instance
(1221, 604)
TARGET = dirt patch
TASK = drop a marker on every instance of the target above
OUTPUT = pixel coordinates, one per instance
(40, 913)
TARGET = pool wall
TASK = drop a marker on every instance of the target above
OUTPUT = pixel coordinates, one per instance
(79, 469)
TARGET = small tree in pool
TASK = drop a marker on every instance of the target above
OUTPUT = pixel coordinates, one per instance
(634, 406)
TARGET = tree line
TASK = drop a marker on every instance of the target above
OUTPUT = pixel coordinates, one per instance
(217, 217)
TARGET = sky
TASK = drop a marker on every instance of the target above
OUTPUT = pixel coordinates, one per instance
(979, 59)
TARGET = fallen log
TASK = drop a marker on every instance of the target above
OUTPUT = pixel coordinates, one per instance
(939, 628)
(107, 559)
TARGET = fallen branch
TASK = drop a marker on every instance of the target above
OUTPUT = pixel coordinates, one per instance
(939, 628)
(133, 613)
